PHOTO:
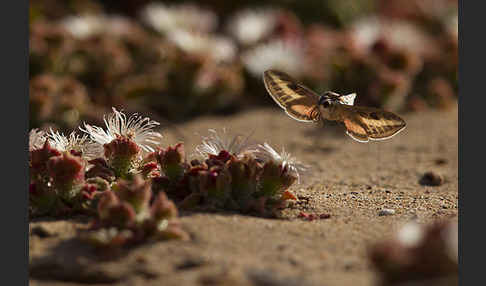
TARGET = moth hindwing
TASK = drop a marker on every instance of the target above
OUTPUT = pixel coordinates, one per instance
(298, 101)
(365, 123)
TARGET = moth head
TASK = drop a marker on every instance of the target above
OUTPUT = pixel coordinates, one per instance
(328, 98)
(326, 101)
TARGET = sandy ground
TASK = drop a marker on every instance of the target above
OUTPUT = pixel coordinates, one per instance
(351, 181)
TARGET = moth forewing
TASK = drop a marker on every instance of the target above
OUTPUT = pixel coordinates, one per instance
(367, 123)
(298, 101)
(270, 84)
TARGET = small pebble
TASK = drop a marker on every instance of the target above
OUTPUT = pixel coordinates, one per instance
(384, 212)
(432, 179)
(440, 161)
(324, 216)
(190, 263)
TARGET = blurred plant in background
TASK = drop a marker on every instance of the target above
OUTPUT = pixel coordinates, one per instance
(181, 59)
(419, 255)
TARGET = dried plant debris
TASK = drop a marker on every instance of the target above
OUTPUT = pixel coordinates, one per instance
(313, 216)
(419, 254)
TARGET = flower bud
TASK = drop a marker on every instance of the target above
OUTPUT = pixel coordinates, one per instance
(171, 161)
(120, 215)
(107, 200)
(67, 172)
(163, 208)
(136, 192)
(121, 153)
(174, 231)
(39, 158)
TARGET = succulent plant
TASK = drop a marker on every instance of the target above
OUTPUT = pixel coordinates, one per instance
(243, 178)
(129, 214)
(58, 185)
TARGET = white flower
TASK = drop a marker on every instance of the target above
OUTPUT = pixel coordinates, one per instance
(266, 153)
(214, 143)
(282, 55)
(411, 234)
(136, 128)
(164, 18)
(75, 142)
(37, 138)
(416, 41)
(251, 26)
(85, 26)
(367, 31)
(218, 48)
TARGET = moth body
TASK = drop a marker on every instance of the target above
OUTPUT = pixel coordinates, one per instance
(330, 110)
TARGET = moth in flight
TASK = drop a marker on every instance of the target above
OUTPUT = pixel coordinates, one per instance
(299, 102)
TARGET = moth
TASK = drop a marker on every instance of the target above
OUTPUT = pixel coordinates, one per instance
(301, 103)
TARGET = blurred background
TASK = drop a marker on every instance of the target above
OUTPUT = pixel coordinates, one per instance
(176, 60)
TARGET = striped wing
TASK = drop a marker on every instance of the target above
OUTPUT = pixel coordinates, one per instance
(298, 101)
(364, 123)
